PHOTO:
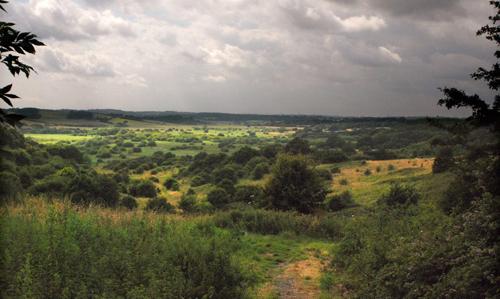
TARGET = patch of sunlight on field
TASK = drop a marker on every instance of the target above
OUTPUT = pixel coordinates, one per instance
(54, 138)
(172, 197)
(367, 188)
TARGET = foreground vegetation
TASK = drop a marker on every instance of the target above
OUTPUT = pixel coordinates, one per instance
(113, 205)
(55, 251)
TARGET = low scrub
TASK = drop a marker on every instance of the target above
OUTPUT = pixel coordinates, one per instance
(62, 253)
(276, 222)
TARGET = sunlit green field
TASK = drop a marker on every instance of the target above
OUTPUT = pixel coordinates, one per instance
(54, 138)
(369, 180)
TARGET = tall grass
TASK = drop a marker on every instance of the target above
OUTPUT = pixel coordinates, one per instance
(57, 251)
(276, 222)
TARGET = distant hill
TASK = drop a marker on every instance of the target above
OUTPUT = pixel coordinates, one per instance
(114, 117)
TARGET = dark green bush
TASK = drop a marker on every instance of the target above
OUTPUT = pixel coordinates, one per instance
(188, 203)
(400, 195)
(128, 202)
(159, 205)
(143, 188)
(260, 170)
(444, 160)
(69, 152)
(199, 180)
(171, 184)
(227, 185)
(10, 185)
(218, 197)
(295, 185)
(244, 154)
(227, 172)
(340, 201)
(249, 194)
(298, 146)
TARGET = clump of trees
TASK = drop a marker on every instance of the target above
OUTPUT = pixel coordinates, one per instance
(295, 185)
(444, 160)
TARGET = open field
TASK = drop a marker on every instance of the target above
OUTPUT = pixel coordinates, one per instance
(55, 138)
(369, 180)
(342, 187)
(213, 179)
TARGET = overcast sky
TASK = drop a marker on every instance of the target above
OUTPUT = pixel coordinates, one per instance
(330, 57)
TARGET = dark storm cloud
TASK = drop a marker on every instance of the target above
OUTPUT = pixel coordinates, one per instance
(421, 9)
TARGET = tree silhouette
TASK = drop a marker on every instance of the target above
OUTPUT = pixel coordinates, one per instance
(12, 44)
(483, 114)
(478, 169)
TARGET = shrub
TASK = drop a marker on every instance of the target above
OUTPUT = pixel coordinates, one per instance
(335, 170)
(69, 152)
(391, 167)
(249, 194)
(271, 151)
(10, 184)
(218, 197)
(128, 202)
(159, 205)
(224, 173)
(82, 186)
(277, 222)
(171, 184)
(199, 180)
(344, 182)
(188, 203)
(260, 170)
(444, 160)
(25, 178)
(295, 185)
(244, 154)
(400, 195)
(368, 172)
(297, 146)
(227, 185)
(340, 201)
(143, 188)
(330, 156)
(324, 174)
(89, 256)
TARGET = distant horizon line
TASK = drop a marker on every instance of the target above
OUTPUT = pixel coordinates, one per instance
(237, 113)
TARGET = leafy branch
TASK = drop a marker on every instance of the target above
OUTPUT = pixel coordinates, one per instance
(14, 43)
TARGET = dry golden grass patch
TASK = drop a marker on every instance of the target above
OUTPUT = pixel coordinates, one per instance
(366, 188)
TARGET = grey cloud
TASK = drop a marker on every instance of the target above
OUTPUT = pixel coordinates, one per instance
(369, 57)
(83, 65)
(67, 21)
(169, 39)
(439, 10)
